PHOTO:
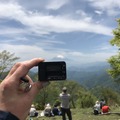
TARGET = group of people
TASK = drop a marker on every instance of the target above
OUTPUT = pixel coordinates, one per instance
(48, 111)
(100, 107)
(51, 111)
(17, 92)
(62, 110)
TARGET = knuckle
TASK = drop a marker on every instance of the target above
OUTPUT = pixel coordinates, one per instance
(17, 64)
(21, 64)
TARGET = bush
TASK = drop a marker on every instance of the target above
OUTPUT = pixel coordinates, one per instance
(87, 101)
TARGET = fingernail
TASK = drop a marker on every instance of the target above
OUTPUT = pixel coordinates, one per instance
(44, 84)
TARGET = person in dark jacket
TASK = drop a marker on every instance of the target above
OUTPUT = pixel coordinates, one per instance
(56, 110)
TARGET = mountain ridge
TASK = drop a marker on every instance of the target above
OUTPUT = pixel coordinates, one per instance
(92, 75)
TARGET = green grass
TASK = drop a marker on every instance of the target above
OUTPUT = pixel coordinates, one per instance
(86, 114)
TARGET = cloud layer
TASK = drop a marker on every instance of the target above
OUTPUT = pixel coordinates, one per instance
(58, 29)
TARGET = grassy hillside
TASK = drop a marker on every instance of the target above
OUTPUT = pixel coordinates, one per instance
(86, 114)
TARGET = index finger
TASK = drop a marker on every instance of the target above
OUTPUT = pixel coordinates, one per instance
(25, 66)
(33, 62)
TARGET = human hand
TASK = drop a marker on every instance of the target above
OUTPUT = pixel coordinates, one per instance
(12, 98)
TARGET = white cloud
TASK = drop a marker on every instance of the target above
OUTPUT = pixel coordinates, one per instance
(110, 6)
(12, 31)
(11, 10)
(84, 16)
(76, 54)
(36, 24)
(41, 24)
(26, 52)
(98, 12)
(107, 48)
(56, 4)
(53, 42)
(60, 56)
(91, 58)
(102, 56)
(81, 13)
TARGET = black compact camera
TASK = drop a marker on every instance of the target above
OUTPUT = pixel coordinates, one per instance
(52, 71)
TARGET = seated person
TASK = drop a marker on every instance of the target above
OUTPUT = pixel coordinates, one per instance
(48, 110)
(105, 109)
(56, 110)
(33, 112)
(102, 103)
(96, 108)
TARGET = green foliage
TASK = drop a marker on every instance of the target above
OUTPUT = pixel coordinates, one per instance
(115, 65)
(116, 33)
(86, 99)
(79, 96)
(6, 61)
(115, 60)
(110, 96)
(57, 103)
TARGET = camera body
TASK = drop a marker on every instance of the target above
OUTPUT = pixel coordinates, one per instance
(52, 71)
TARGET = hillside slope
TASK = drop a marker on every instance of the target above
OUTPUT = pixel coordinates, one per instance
(92, 76)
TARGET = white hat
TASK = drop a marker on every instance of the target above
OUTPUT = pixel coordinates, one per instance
(64, 88)
(97, 102)
(32, 106)
(48, 105)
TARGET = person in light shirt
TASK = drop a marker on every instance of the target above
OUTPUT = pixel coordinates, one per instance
(33, 111)
(97, 108)
(65, 101)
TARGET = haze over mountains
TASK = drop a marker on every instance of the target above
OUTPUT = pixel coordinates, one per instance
(92, 75)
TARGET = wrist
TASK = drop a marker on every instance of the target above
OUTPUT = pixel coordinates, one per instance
(4, 115)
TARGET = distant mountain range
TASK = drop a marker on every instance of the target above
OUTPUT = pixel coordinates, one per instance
(92, 75)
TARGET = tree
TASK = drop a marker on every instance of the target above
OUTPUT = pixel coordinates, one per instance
(6, 61)
(110, 96)
(115, 60)
(80, 97)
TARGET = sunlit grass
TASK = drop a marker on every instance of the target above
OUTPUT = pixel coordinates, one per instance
(86, 114)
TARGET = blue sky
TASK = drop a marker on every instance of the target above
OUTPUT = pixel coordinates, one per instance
(77, 31)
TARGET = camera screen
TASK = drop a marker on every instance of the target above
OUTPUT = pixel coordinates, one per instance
(52, 68)
(52, 71)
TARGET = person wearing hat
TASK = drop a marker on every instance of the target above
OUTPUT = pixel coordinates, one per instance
(65, 107)
(97, 108)
(33, 111)
(48, 110)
